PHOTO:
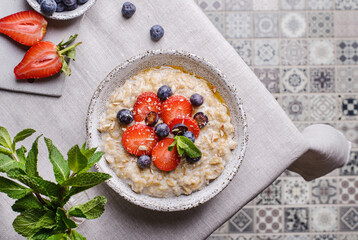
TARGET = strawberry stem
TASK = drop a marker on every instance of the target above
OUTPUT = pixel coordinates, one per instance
(68, 48)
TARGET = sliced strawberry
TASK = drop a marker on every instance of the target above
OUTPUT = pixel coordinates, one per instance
(175, 106)
(187, 121)
(45, 59)
(163, 158)
(28, 27)
(139, 139)
(146, 102)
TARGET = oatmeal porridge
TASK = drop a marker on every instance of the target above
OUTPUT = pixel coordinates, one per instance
(214, 139)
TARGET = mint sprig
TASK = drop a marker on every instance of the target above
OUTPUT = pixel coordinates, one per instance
(185, 146)
(41, 202)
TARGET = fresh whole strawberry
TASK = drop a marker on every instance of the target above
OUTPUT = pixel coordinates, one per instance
(146, 102)
(46, 59)
(187, 121)
(163, 158)
(139, 139)
(28, 27)
(175, 106)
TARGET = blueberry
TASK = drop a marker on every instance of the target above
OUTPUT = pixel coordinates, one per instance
(39, 1)
(201, 119)
(162, 130)
(72, 7)
(179, 129)
(156, 32)
(164, 92)
(48, 7)
(60, 7)
(144, 161)
(125, 116)
(57, 1)
(190, 135)
(128, 9)
(69, 2)
(196, 100)
(192, 160)
(151, 119)
(82, 1)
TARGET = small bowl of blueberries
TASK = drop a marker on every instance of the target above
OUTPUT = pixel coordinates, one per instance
(61, 9)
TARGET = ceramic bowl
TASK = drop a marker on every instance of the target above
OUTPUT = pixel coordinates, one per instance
(66, 15)
(191, 63)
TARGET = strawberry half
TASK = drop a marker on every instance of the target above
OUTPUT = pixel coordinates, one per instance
(175, 106)
(139, 139)
(28, 27)
(163, 158)
(187, 121)
(146, 102)
(45, 59)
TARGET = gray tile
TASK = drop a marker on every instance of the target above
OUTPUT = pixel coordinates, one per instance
(296, 107)
(324, 219)
(238, 25)
(293, 5)
(324, 191)
(270, 77)
(346, 4)
(237, 5)
(242, 221)
(348, 107)
(293, 24)
(265, 25)
(243, 48)
(321, 24)
(347, 79)
(351, 168)
(217, 18)
(323, 108)
(211, 5)
(294, 52)
(345, 24)
(297, 220)
(349, 219)
(347, 52)
(294, 80)
(267, 52)
(320, 4)
(322, 80)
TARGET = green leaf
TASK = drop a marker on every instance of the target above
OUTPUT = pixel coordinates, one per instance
(31, 162)
(76, 160)
(87, 152)
(187, 146)
(171, 147)
(5, 139)
(76, 236)
(27, 202)
(60, 166)
(43, 234)
(39, 185)
(22, 135)
(7, 163)
(90, 210)
(59, 236)
(71, 39)
(20, 152)
(31, 221)
(13, 189)
(5, 151)
(87, 179)
(62, 221)
(92, 160)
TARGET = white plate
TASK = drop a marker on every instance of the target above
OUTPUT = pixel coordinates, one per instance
(191, 63)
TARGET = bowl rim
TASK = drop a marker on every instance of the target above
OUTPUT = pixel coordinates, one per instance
(63, 15)
(243, 121)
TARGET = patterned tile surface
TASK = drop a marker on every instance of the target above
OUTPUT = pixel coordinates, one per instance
(305, 52)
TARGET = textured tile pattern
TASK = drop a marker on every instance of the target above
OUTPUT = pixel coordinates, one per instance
(305, 52)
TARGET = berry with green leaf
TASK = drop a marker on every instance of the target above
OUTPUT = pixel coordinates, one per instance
(39, 202)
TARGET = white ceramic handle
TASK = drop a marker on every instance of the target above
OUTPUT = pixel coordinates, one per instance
(329, 149)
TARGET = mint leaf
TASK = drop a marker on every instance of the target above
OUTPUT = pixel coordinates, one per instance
(92, 160)
(22, 135)
(187, 146)
(87, 152)
(76, 236)
(90, 210)
(87, 179)
(27, 202)
(31, 221)
(76, 160)
(62, 221)
(5, 139)
(5, 151)
(43, 234)
(171, 147)
(13, 189)
(20, 152)
(39, 185)
(60, 166)
(59, 236)
(31, 162)
(7, 163)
